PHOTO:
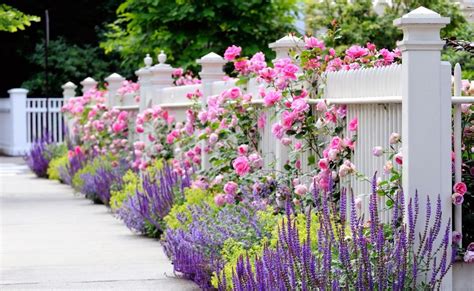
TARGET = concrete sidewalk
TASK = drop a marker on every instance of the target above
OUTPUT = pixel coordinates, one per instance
(52, 239)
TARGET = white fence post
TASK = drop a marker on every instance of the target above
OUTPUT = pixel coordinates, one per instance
(161, 74)
(19, 143)
(282, 48)
(211, 71)
(115, 82)
(144, 79)
(69, 90)
(426, 115)
(87, 84)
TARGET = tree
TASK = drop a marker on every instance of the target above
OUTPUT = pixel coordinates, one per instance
(67, 62)
(187, 29)
(12, 19)
(357, 23)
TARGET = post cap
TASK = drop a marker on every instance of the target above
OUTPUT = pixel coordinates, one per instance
(211, 57)
(288, 41)
(148, 61)
(18, 91)
(114, 77)
(421, 15)
(69, 85)
(162, 57)
(88, 80)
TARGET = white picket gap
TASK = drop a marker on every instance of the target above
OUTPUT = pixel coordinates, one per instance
(44, 116)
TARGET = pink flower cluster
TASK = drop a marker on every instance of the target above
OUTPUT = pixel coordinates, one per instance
(459, 189)
(182, 78)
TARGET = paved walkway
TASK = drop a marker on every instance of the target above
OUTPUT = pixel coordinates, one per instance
(52, 239)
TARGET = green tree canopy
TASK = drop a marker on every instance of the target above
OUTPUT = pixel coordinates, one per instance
(12, 19)
(357, 23)
(188, 29)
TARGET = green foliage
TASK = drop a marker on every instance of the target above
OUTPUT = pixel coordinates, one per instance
(357, 23)
(90, 168)
(192, 197)
(186, 29)
(12, 19)
(67, 62)
(131, 182)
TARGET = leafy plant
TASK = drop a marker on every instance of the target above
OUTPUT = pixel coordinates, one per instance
(12, 20)
(187, 29)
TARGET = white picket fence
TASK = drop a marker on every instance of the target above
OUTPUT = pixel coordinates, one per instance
(24, 120)
(413, 99)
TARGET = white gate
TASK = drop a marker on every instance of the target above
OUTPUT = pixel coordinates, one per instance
(44, 119)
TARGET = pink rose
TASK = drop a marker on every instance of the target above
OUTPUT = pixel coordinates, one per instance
(356, 51)
(256, 160)
(456, 237)
(286, 141)
(241, 165)
(219, 199)
(230, 188)
(377, 151)
(213, 138)
(398, 158)
(312, 42)
(323, 164)
(139, 145)
(301, 189)
(278, 130)
(469, 257)
(232, 52)
(271, 98)
(460, 188)
(299, 105)
(139, 129)
(234, 93)
(457, 198)
(288, 118)
(353, 124)
(321, 106)
(298, 145)
(336, 143)
(242, 149)
(262, 120)
(394, 138)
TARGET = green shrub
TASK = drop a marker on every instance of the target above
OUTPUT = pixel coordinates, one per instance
(191, 197)
(55, 165)
(131, 182)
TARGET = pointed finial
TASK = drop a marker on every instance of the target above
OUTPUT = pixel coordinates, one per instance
(148, 61)
(162, 58)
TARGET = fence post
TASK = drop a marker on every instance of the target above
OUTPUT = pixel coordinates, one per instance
(144, 79)
(87, 84)
(19, 142)
(282, 48)
(211, 70)
(161, 74)
(380, 6)
(115, 82)
(426, 115)
(69, 90)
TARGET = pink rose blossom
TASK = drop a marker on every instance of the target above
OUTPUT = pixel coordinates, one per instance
(356, 51)
(262, 120)
(219, 199)
(323, 164)
(301, 189)
(241, 165)
(286, 141)
(456, 237)
(288, 118)
(234, 93)
(399, 158)
(230, 188)
(377, 151)
(242, 149)
(298, 145)
(271, 98)
(232, 52)
(457, 198)
(312, 42)
(460, 188)
(256, 160)
(299, 105)
(213, 138)
(394, 138)
(278, 130)
(353, 124)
